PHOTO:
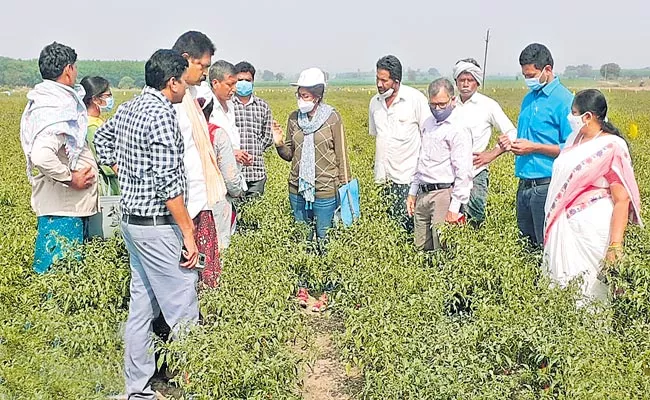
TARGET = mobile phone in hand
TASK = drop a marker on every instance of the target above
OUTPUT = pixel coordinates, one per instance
(200, 263)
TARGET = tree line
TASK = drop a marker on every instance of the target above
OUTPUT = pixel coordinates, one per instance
(607, 71)
(130, 74)
(121, 74)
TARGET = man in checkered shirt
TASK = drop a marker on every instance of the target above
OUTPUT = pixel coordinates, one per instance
(143, 144)
(253, 118)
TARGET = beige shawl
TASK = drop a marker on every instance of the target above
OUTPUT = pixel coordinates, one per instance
(215, 186)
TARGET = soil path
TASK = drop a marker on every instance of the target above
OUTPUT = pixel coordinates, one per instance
(326, 378)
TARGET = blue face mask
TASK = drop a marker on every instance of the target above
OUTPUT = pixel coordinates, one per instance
(110, 102)
(441, 115)
(534, 83)
(244, 88)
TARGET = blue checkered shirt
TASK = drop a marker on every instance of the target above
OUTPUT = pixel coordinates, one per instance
(145, 141)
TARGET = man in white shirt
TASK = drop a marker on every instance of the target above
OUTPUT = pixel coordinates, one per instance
(443, 178)
(480, 114)
(396, 116)
(223, 80)
(205, 184)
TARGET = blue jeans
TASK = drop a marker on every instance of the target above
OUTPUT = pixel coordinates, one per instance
(321, 215)
(530, 212)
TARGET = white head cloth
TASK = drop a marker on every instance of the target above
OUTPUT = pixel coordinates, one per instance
(464, 66)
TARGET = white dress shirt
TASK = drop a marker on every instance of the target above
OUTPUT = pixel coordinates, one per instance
(480, 114)
(446, 157)
(226, 120)
(197, 193)
(398, 130)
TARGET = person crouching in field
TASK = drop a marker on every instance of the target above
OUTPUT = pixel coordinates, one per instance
(315, 146)
(53, 138)
(480, 114)
(443, 177)
(591, 197)
(145, 142)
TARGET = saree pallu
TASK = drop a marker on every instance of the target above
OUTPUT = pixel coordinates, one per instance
(579, 210)
(207, 243)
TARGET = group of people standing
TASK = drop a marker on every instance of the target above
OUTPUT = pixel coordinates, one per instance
(576, 190)
(194, 139)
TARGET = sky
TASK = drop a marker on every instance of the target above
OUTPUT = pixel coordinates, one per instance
(338, 35)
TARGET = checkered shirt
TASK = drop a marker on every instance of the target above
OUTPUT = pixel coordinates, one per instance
(144, 140)
(254, 123)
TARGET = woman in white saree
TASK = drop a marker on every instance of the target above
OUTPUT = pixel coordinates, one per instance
(591, 197)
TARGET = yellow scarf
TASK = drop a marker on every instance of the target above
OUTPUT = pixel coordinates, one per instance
(215, 185)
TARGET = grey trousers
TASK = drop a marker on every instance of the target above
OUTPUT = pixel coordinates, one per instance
(430, 211)
(158, 284)
(255, 188)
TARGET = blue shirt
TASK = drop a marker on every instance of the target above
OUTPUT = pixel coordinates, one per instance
(543, 119)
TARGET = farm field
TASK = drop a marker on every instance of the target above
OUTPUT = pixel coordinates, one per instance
(477, 321)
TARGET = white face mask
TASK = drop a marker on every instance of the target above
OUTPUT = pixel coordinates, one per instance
(575, 121)
(387, 93)
(305, 106)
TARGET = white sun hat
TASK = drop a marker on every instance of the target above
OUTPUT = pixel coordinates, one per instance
(310, 77)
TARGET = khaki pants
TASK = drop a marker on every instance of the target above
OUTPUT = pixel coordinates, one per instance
(430, 210)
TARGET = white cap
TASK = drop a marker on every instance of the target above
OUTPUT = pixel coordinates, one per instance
(310, 77)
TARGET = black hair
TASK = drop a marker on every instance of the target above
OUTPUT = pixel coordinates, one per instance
(316, 91)
(593, 101)
(163, 65)
(94, 86)
(536, 54)
(392, 65)
(195, 44)
(53, 60)
(245, 66)
(207, 109)
(469, 60)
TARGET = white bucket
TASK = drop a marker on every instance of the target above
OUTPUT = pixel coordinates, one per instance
(107, 220)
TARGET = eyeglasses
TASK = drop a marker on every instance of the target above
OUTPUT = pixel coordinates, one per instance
(440, 106)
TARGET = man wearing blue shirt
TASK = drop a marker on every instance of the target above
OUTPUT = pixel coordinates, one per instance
(542, 129)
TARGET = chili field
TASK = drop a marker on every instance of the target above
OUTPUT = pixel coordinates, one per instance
(477, 321)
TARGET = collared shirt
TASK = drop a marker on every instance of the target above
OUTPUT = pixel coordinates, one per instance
(226, 120)
(446, 157)
(197, 193)
(144, 140)
(481, 114)
(398, 130)
(253, 120)
(543, 119)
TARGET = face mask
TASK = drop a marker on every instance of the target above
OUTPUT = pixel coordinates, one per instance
(244, 88)
(441, 115)
(576, 122)
(305, 106)
(534, 83)
(110, 102)
(387, 93)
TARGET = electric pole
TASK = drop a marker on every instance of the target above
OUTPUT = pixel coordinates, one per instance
(487, 42)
